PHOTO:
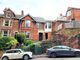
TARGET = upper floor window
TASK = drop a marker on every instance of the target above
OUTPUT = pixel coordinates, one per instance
(40, 26)
(48, 25)
(28, 23)
(69, 13)
(7, 23)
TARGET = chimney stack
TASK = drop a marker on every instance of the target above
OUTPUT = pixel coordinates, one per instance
(22, 13)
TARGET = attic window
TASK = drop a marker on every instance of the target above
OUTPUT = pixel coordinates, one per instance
(8, 15)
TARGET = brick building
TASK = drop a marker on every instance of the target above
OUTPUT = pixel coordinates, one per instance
(69, 27)
(73, 13)
(9, 23)
(35, 28)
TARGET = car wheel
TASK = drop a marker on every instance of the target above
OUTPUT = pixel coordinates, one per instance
(5, 58)
(25, 57)
(77, 54)
(53, 55)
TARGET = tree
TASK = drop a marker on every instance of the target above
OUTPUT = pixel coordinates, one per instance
(7, 42)
(20, 37)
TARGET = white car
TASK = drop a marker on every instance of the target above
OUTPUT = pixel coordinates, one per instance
(16, 54)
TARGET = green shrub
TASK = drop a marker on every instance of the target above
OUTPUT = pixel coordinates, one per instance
(7, 42)
(28, 42)
(24, 48)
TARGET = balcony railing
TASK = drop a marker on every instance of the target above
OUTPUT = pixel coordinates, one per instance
(72, 24)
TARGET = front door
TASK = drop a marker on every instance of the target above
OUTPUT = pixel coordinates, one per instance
(40, 36)
(46, 36)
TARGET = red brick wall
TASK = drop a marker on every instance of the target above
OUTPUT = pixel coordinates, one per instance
(33, 30)
(74, 13)
(15, 26)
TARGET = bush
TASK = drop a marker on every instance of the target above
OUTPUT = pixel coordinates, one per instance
(7, 42)
(20, 37)
(28, 42)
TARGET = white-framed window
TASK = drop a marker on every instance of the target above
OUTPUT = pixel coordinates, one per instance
(48, 25)
(7, 23)
(39, 25)
(5, 32)
(27, 34)
(69, 13)
(28, 22)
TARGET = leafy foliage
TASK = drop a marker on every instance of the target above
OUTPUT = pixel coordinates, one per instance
(7, 42)
(28, 42)
(20, 37)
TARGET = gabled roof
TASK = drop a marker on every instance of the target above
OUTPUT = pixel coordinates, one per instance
(26, 15)
(37, 19)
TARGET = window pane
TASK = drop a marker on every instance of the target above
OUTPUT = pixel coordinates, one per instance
(6, 23)
(9, 51)
(28, 23)
(46, 26)
(5, 33)
(27, 34)
(49, 25)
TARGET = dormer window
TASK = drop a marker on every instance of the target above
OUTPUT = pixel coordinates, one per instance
(8, 15)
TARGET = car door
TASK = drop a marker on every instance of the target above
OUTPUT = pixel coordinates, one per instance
(68, 52)
(10, 54)
(65, 51)
(17, 54)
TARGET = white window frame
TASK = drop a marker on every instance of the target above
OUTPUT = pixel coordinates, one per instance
(69, 13)
(3, 32)
(29, 23)
(47, 25)
(8, 23)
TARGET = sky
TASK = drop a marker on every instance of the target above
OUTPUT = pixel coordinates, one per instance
(48, 9)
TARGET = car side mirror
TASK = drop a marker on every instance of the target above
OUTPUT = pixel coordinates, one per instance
(70, 49)
(19, 52)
